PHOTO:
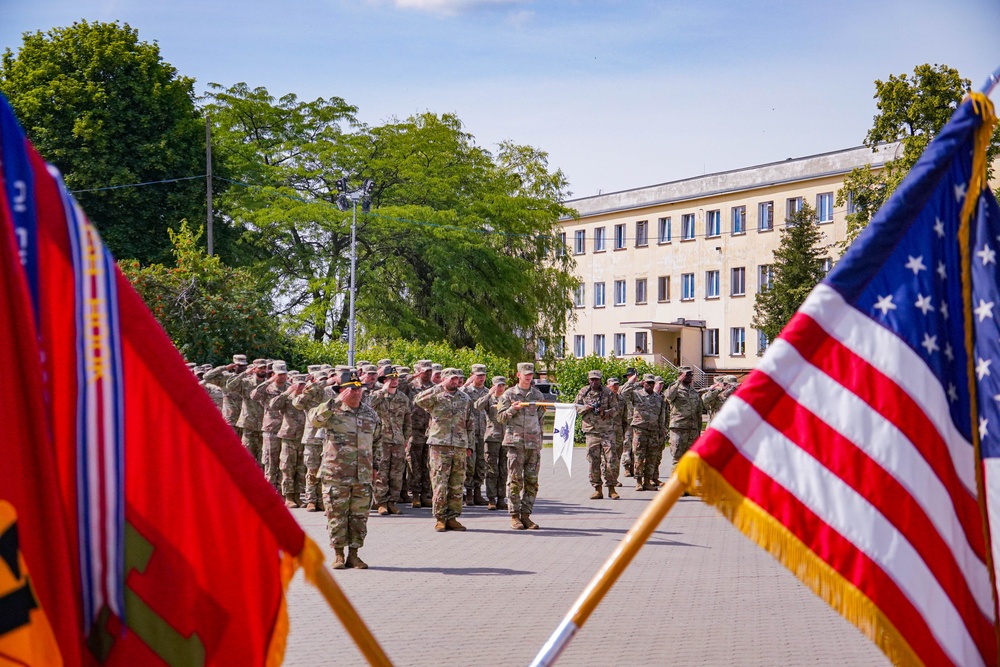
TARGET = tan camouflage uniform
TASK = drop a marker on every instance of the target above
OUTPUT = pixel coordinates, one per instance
(252, 413)
(522, 441)
(270, 425)
(686, 409)
(648, 424)
(417, 472)
(292, 466)
(598, 427)
(312, 441)
(394, 411)
(475, 466)
(232, 402)
(629, 388)
(496, 460)
(452, 429)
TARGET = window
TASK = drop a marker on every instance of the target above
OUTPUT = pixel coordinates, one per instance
(599, 239)
(739, 220)
(541, 347)
(687, 226)
(641, 343)
(619, 345)
(713, 223)
(579, 346)
(738, 282)
(663, 288)
(711, 342)
(827, 265)
(580, 297)
(619, 236)
(824, 207)
(687, 286)
(598, 295)
(560, 348)
(640, 290)
(711, 284)
(737, 341)
(561, 251)
(761, 342)
(641, 233)
(792, 206)
(619, 292)
(580, 244)
(664, 231)
(599, 344)
(765, 216)
(851, 208)
(765, 277)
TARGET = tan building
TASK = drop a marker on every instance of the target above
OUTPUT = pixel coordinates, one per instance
(670, 272)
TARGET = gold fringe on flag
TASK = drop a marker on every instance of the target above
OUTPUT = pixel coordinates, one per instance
(768, 533)
(279, 636)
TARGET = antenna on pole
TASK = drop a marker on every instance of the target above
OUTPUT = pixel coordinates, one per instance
(208, 181)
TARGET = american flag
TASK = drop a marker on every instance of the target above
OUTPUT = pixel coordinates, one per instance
(851, 452)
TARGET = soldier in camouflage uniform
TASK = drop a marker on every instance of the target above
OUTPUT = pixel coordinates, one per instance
(596, 408)
(717, 394)
(232, 402)
(353, 433)
(620, 420)
(214, 392)
(369, 381)
(452, 430)
(316, 392)
(686, 409)
(252, 413)
(276, 385)
(393, 408)
(648, 422)
(417, 471)
(293, 422)
(475, 465)
(522, 441)
(631, 385)
(436, 372)
(496, 459)
(661, 440)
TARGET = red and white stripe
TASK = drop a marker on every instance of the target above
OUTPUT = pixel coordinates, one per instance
(844, 436)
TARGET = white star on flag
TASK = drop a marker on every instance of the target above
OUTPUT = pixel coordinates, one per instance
(987, 254)
(942, 271)
(948, 352)
(959, 192)
(939, 227)
(983, 368)
(930, 342)
(924, 303)
(952, 393)
(982, 427)
(885, 304)
(915, 264)
(944, 309)
(984, 309)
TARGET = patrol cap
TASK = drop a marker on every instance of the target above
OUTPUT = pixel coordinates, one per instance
(499, 379)
(340, 368)
(730, 379)
(437, 368)
(479, 369)
(403, 370)
(325, 367)
(685, 369)
(613, 380)
(451, 373)
(297, 378)
(363, 363)
(630, 371)
(279, 367)
(526, 367)
(260, 362)
(383, 362)
(313, 368)
(369, 368)
(595, 375)
(648, 377)
(240, 359)
(348, 379)
(191, 365)
(422, 365)
(388, 372)
(658, 378)
(322, 375)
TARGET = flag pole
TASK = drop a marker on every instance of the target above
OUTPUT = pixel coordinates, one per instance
(609, 573)
(991, 82)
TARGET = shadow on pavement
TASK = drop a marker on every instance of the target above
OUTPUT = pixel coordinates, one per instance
(460, 571)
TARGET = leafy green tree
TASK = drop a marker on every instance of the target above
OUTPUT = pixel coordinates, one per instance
(106, 109)
(798, 268)
(209, 310)
(911, 111)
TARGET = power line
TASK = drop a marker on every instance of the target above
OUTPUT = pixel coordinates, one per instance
(136, 185)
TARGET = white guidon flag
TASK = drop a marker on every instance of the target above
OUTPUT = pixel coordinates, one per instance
(563, 431)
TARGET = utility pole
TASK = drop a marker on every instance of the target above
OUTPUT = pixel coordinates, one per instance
(345, 199)
(208, 180)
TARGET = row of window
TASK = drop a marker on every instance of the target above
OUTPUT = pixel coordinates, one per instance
(737, 287)
(737, 343)
(713, 225)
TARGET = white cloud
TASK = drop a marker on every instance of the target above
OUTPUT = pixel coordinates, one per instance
(451, 7)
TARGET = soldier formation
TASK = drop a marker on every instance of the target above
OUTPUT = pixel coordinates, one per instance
(344, 440)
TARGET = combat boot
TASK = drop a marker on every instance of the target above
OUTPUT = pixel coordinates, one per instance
(353, 560)
(311, 507)
(416, 501)
(383, 509)
(426, 500)
(404, 497)
(638, 484)
(291, 502)
(612, 493)
(491, 505)
(597, 495)
(468, 497)
(501, 503)
(393, 509)
(319, 504)
(528, 523)
(439, 526)
(477, 497)
(338, 559)
(649, 486)
(453, 524)
(515, 522)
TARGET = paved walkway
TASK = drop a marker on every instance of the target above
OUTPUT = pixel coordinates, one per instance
(698, 593)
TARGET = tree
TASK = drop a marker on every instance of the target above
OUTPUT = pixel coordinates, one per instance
(106, 109)
(208, 309)
(797, 269)
(911, 111)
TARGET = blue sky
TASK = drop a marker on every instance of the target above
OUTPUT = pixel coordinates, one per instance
(620, 94)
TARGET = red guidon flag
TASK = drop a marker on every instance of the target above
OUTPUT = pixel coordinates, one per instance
(134, 527)
(855, 453)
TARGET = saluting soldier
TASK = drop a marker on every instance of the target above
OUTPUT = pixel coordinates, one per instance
(631, 385)
(522, 441)
(232, 402)
(393, 408)
(353, 433)
(293, 422)
(475, 465)
(648, 422)
(276, 385)
(496, 459)
(317, 390)
(418, 475)
(620, 420)
(686, 409)
(252, 412)
(596, 408)
(717, 394)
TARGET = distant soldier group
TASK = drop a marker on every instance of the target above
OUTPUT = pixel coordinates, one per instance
(638, 419)
(342, 440)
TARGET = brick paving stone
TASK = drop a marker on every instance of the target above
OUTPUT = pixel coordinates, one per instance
(698, 593)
